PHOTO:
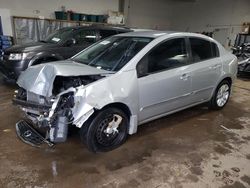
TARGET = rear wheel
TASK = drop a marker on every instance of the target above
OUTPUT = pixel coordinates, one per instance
(221, 95)
(106, 130)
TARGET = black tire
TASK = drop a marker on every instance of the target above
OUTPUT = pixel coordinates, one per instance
(94, 132)
(214, 103)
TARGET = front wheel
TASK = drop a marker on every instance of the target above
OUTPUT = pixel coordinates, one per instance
(106, 130)
(221, 95)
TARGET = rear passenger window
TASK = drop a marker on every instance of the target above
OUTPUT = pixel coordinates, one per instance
(215, 50)
(201, 49)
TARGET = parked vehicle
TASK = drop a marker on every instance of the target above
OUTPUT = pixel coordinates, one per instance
(62, 44)
(121, 82)
(244, 67)
(243, 54)
(242, 38)
(242, 51)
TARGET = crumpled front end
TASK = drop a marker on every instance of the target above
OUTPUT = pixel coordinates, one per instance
(55, 113)
(66, 106)
(55, 96)
(60, 104)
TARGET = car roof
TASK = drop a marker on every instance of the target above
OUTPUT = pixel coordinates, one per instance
(156, 34)
(125, 29)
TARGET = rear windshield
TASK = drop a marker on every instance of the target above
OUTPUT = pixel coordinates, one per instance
(113, 53)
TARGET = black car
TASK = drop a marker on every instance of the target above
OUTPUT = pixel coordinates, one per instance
(62, 44)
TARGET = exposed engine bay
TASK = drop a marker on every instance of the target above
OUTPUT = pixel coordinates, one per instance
(64, 107)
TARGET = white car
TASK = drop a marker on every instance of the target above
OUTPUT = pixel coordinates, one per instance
(113, 86)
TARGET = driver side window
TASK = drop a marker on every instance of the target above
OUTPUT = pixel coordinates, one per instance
(85, 37)
(168, 55)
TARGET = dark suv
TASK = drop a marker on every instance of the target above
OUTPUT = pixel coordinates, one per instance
(62, 44)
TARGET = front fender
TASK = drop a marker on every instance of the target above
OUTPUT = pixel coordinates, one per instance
(118, 88)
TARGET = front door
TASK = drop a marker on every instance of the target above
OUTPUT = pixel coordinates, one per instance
(164, 79)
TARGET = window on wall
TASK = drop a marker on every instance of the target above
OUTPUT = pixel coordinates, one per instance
(168, 55)
(203, 49)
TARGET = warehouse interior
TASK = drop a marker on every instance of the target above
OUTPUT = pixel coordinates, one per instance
(195, 147)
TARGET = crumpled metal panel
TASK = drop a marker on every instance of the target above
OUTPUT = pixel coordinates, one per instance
(116, 88)
(39, 79)
(81, 110)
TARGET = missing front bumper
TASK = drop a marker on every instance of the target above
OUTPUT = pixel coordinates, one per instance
(29, 135)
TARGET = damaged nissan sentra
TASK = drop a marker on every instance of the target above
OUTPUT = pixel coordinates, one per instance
(113, 86)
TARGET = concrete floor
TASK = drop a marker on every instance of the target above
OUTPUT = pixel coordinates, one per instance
(192, 148)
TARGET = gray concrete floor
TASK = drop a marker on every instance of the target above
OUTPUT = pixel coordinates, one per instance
(192, 148)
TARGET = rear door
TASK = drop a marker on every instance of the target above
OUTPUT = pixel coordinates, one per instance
(164, 79)
(206, 68)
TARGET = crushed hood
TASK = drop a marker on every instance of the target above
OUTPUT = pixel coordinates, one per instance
(39, 79)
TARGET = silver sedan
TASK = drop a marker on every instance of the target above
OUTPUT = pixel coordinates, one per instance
(121, 82)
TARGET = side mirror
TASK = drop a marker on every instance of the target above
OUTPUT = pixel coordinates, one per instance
(70, 42)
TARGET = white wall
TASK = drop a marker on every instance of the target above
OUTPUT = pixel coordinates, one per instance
(46, 8)
(224, 17)
(147, 14)
(5, 18)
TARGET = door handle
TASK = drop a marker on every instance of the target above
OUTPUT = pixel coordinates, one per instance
(213, 67)
(219, 66)
(185, 76)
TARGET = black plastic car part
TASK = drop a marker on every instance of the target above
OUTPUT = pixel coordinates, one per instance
(32, 105)
(29, 135)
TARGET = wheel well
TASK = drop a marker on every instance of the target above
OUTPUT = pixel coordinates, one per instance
(120, 106)
(228, 79)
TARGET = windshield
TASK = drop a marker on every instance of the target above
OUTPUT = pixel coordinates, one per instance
(113, 53)
(59, 35)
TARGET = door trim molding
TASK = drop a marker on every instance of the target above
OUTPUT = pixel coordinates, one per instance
(164, 101)
(171, 112)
